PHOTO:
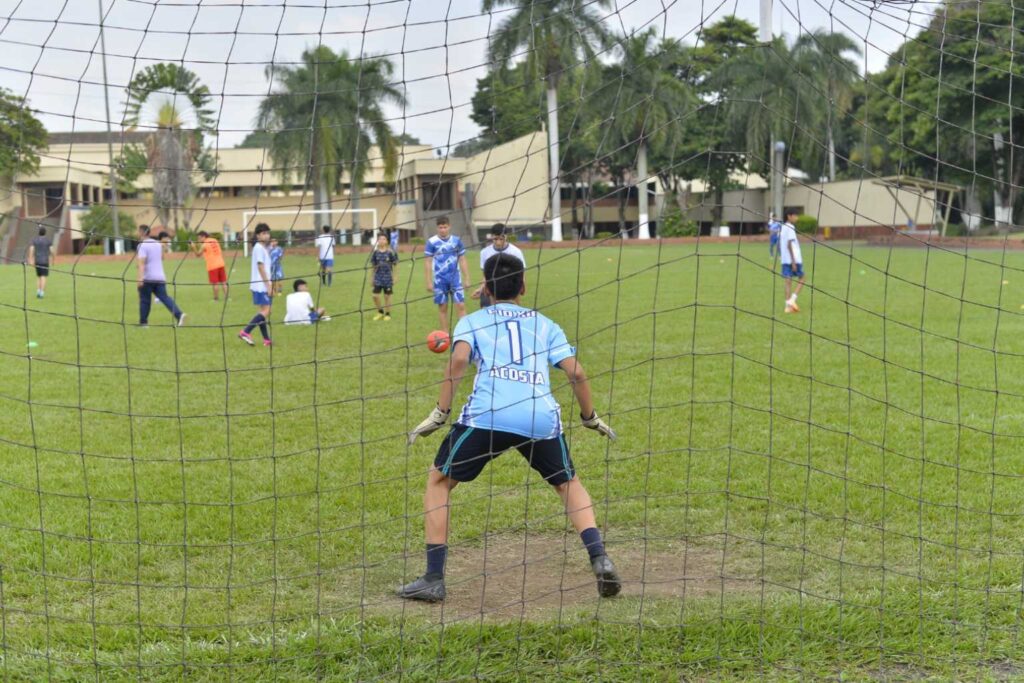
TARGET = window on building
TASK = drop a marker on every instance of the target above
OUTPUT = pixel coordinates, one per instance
(438, 196)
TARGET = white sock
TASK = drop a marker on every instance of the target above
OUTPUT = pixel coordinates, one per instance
(792, 298)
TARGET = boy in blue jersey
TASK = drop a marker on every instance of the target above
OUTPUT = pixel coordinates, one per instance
(773, 236)
(446, 261)
(276, 268)
(511, 407)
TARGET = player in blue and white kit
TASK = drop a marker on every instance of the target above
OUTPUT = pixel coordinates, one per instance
(511, 406)
(394, 240)
(447, 271)
(773, 235)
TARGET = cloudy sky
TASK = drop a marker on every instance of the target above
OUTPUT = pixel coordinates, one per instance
(51, 50)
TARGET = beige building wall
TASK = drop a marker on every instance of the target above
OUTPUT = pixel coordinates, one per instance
(510, 182)
(864, 203)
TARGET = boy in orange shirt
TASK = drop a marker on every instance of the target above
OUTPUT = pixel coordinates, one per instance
(210, 250)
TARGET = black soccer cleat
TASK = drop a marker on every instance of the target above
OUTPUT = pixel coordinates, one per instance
(608, 582)
(425, 589)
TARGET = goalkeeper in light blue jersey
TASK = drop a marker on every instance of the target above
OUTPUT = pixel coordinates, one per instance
(511, 406)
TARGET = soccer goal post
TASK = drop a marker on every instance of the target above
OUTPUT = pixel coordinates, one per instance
(249, 223)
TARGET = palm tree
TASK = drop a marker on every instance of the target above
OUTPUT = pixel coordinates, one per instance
(773, 94)
(170, 101)
(647, 106)
(826, 53)
(324, 116)
(555, 35)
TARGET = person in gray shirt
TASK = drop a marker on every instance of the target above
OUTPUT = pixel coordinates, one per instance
(42, 256)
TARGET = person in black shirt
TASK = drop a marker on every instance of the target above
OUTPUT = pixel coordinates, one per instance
(41, 255)
(384, 262)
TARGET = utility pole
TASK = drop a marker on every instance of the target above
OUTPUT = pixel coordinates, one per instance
(118, 243)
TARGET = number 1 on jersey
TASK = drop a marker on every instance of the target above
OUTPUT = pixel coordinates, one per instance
(515, 341)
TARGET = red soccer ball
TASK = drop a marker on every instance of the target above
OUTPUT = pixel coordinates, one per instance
(438, 341)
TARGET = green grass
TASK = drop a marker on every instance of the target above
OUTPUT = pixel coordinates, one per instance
(836, 493)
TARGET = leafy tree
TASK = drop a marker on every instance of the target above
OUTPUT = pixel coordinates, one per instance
(556, 36)
(508, 104)
(648, 105)
(956, 101)
(325, 114)
(168, 100)
(98, 221)
(706, 149)
(825, 53)
(407, 139)
(22, 136)
(257, 139)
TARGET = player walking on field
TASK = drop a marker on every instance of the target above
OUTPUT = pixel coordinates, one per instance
(792, 261)
(446, 271)
(151, 280)
(276, 268)
(773, 236)
(41, 255)
(216, 272)
(259, 285)
(511, 406)
(384, 262)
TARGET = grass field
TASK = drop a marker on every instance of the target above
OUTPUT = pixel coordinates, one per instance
(837, 493)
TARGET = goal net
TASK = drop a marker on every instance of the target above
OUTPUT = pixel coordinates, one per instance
(780, 237)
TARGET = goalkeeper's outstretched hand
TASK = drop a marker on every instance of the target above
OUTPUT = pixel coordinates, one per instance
(434, 421)
(598, 425)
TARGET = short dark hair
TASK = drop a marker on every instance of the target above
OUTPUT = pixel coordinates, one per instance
(203, 233)
(790, 212)
(261, 228)
(144, 229)
(443, 220)
(325, 229)
(163, 234)
(42, 230)
(503, 274)
(498, 230)
(298, 283)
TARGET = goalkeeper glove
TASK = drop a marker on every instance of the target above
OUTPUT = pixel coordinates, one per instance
(598, 425)
(434, 421)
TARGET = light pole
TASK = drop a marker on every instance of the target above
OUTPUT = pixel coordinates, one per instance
(118, 244)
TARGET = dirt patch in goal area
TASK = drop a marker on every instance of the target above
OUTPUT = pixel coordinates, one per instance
(515, 576)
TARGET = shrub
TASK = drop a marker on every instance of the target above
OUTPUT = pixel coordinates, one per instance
(806, 225)
(537, 238)
(417, 240)
(280, 235)
(93, 249)
(603, 235)
(98, 221)
(672, 223)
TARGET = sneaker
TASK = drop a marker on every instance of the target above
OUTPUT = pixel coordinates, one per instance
(181, 320)
(246, 337)
(793, 307)
(789, 309)
(325, 318)
(425, 589)
(379, 316)
(267, 342)
(608, 582)
(387, 317)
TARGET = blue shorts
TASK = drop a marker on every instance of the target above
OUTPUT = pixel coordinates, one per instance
(773, 238)
(326, 263)
(445, 288)
(313, 316)
(277, 274)
(261, 299)
(792, 271)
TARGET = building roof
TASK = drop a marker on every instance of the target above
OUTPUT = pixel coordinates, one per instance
(96, 137)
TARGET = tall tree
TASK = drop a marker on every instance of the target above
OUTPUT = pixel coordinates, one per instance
(324, 115)
(956, 102)
(22, 136)
(169, 101)
(825, 53)
(648, 105)
(556, 35)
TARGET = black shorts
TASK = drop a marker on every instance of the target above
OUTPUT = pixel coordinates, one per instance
(466, 450)
(42, 271)
(377, 289)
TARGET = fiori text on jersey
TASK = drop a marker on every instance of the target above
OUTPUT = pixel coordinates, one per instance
(511, 313)
(524, 376)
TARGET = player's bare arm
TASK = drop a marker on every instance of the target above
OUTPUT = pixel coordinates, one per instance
(141, 267)
(428, 268)
(454, 371)
(464, 267)
(30, 257)
(581, 389)
(264, 276)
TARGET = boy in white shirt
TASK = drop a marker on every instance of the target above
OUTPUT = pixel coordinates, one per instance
(299, 307)
(792, 261)
(325, 255)
(499, 245)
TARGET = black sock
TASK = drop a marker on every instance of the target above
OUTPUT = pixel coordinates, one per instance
(257, 319)
(381, 311)
(330, 279)
(437, 553)
(592, 541)
(264, 330)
